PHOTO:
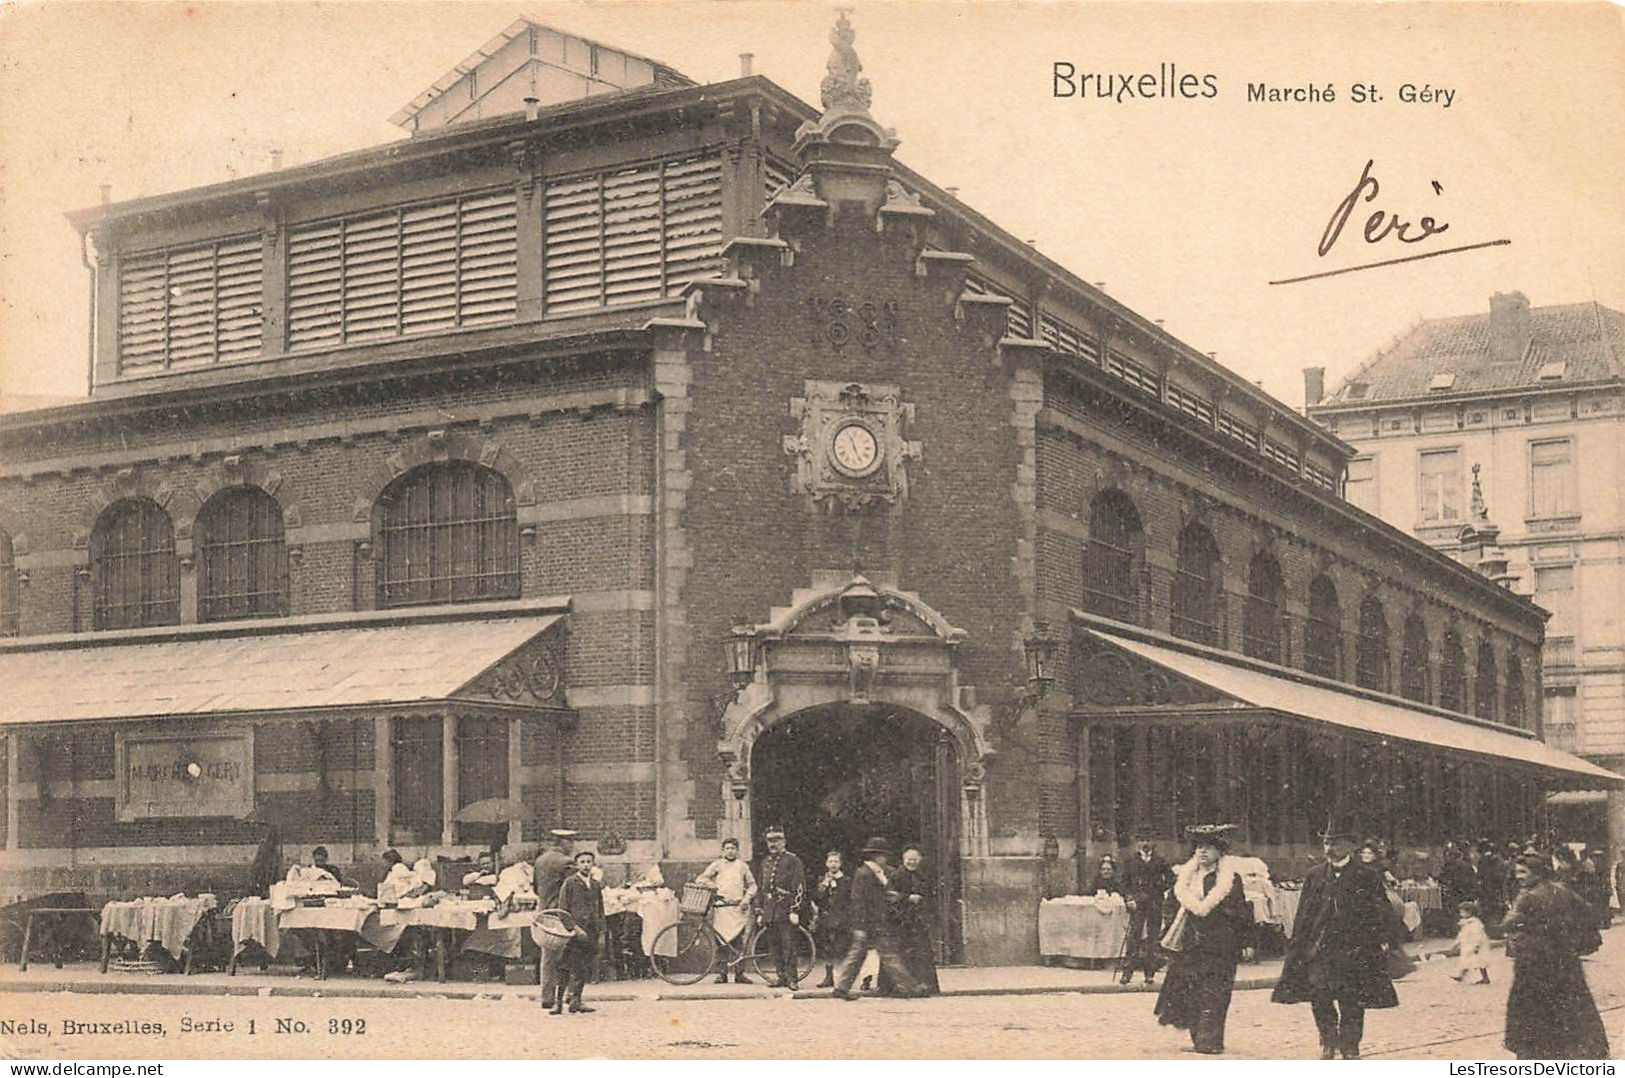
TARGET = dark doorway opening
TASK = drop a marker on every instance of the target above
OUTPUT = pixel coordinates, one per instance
(833, 776)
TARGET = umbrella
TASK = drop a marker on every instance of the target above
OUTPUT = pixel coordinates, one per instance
(494, 810)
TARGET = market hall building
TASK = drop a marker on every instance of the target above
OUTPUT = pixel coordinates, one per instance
(673, 459)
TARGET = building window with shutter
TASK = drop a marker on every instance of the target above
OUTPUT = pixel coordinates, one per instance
(135, 575)
(8, 587)
(1413, 661)
(425, 268)
(1195, 599)
(242, 558)
(1439, 485)
(1551, 478)
(190, 307)
(1360, 484)
(1261, 630)
(633, 235)
(1453, 673)
(448, 532)
(1486, 683)
(1323, 634)
(1562, 725)
(1514, 708)
(1115, 551)
(1371, 649)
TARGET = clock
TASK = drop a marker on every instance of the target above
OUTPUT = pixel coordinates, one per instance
(854, 450)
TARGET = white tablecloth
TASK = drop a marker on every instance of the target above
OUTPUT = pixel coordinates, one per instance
(1076, 927)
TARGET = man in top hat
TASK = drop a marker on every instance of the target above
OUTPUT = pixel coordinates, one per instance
(782, 889)
(1335, 960)
(871, 928)
(1146, 880)
(552, 865)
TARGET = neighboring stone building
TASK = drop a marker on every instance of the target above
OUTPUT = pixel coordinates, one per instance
(676, 462)
(1514, 418)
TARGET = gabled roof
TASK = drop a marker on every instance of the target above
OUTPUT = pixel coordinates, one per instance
(1570, 344)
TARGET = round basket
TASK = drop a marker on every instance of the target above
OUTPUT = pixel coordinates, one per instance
(554, 931)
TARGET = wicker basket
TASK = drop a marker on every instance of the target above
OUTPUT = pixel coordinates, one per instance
(554, 931)
(697, 898)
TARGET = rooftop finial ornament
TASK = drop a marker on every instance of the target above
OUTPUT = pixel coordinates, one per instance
(844, 88)
(1479, 509)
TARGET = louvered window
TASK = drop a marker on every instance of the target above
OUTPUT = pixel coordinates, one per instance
(1020, 322)
(1065, 337)
(414, 269)
(192, 306)
(1135, 374)
(632, 235)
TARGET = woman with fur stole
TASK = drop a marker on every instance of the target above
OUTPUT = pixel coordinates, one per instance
(1216, 921)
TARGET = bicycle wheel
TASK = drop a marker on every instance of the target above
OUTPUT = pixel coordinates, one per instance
(763, 961)
(684, 952)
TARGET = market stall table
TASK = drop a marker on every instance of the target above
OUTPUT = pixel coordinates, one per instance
(57, 916)
(169, 922)
(1079, 926)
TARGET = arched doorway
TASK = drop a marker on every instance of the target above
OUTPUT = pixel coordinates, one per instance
(834, 774)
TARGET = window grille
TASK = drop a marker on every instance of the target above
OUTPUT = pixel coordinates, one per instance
(1486, 683)
(449, 533)
(8, 587)
(1116, 542)
(1194, 613)
(1261, 630)
(1371, 647)
(135, 575)
(1323, 633)
(190, 306)
(423, 268)
(1413, 661)
(1453, 673)
(632, 235)
(242, 558)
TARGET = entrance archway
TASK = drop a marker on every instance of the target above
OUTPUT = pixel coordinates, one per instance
(835, 774)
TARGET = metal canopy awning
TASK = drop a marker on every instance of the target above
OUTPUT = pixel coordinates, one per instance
(201, 671)
(1305, 696)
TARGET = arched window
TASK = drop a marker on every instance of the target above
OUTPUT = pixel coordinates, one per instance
(8, 587)
(135, 576)
(1195, 614)
(1453, 673)
(448, 533)
(1323, 635)
(1413, 661)
(1371, 648)
(1261, 630)
(1486, 682)
(242, 559)
(1513, 711)
(1111, 564)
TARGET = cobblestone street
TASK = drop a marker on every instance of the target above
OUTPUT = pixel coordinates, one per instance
(1437, 1019)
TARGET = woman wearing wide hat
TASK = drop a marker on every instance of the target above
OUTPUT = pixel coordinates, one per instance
(1205, 938)
(1550, 1012)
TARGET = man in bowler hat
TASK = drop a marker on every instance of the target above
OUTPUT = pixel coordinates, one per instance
(871, 930)
(782, 889)
(1146, 880)
(1335, 960)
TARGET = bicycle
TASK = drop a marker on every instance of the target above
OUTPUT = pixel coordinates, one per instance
(688, 951)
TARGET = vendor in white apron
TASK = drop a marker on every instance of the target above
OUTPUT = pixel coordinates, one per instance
(735, 885)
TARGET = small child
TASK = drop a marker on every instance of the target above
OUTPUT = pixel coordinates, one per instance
(1472, 944)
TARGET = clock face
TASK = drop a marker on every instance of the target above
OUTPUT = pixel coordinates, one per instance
(855, 450)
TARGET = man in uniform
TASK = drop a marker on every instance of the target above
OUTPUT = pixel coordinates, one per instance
(582, 897)
(552, 865)
(782, 883)
(1335, 960)
(1146, 880)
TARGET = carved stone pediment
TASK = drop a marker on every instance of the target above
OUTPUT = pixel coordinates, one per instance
(531, 676)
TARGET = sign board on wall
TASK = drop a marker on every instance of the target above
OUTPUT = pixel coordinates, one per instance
(169, 775)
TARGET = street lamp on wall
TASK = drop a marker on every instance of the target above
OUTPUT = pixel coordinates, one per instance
(742, 650)
(1039, 650)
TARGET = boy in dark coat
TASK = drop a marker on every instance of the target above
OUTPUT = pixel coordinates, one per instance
(1335, 961)
(582, 897)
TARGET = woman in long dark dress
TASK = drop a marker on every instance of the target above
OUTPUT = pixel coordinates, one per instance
(832, 896)
(1550, 1012)
(914, 912)
(1107, 878)
(1195, 995)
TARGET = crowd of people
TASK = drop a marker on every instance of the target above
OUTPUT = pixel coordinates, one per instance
(1346, 946)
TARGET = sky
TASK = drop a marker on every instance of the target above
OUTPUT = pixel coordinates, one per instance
(1186, 209)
